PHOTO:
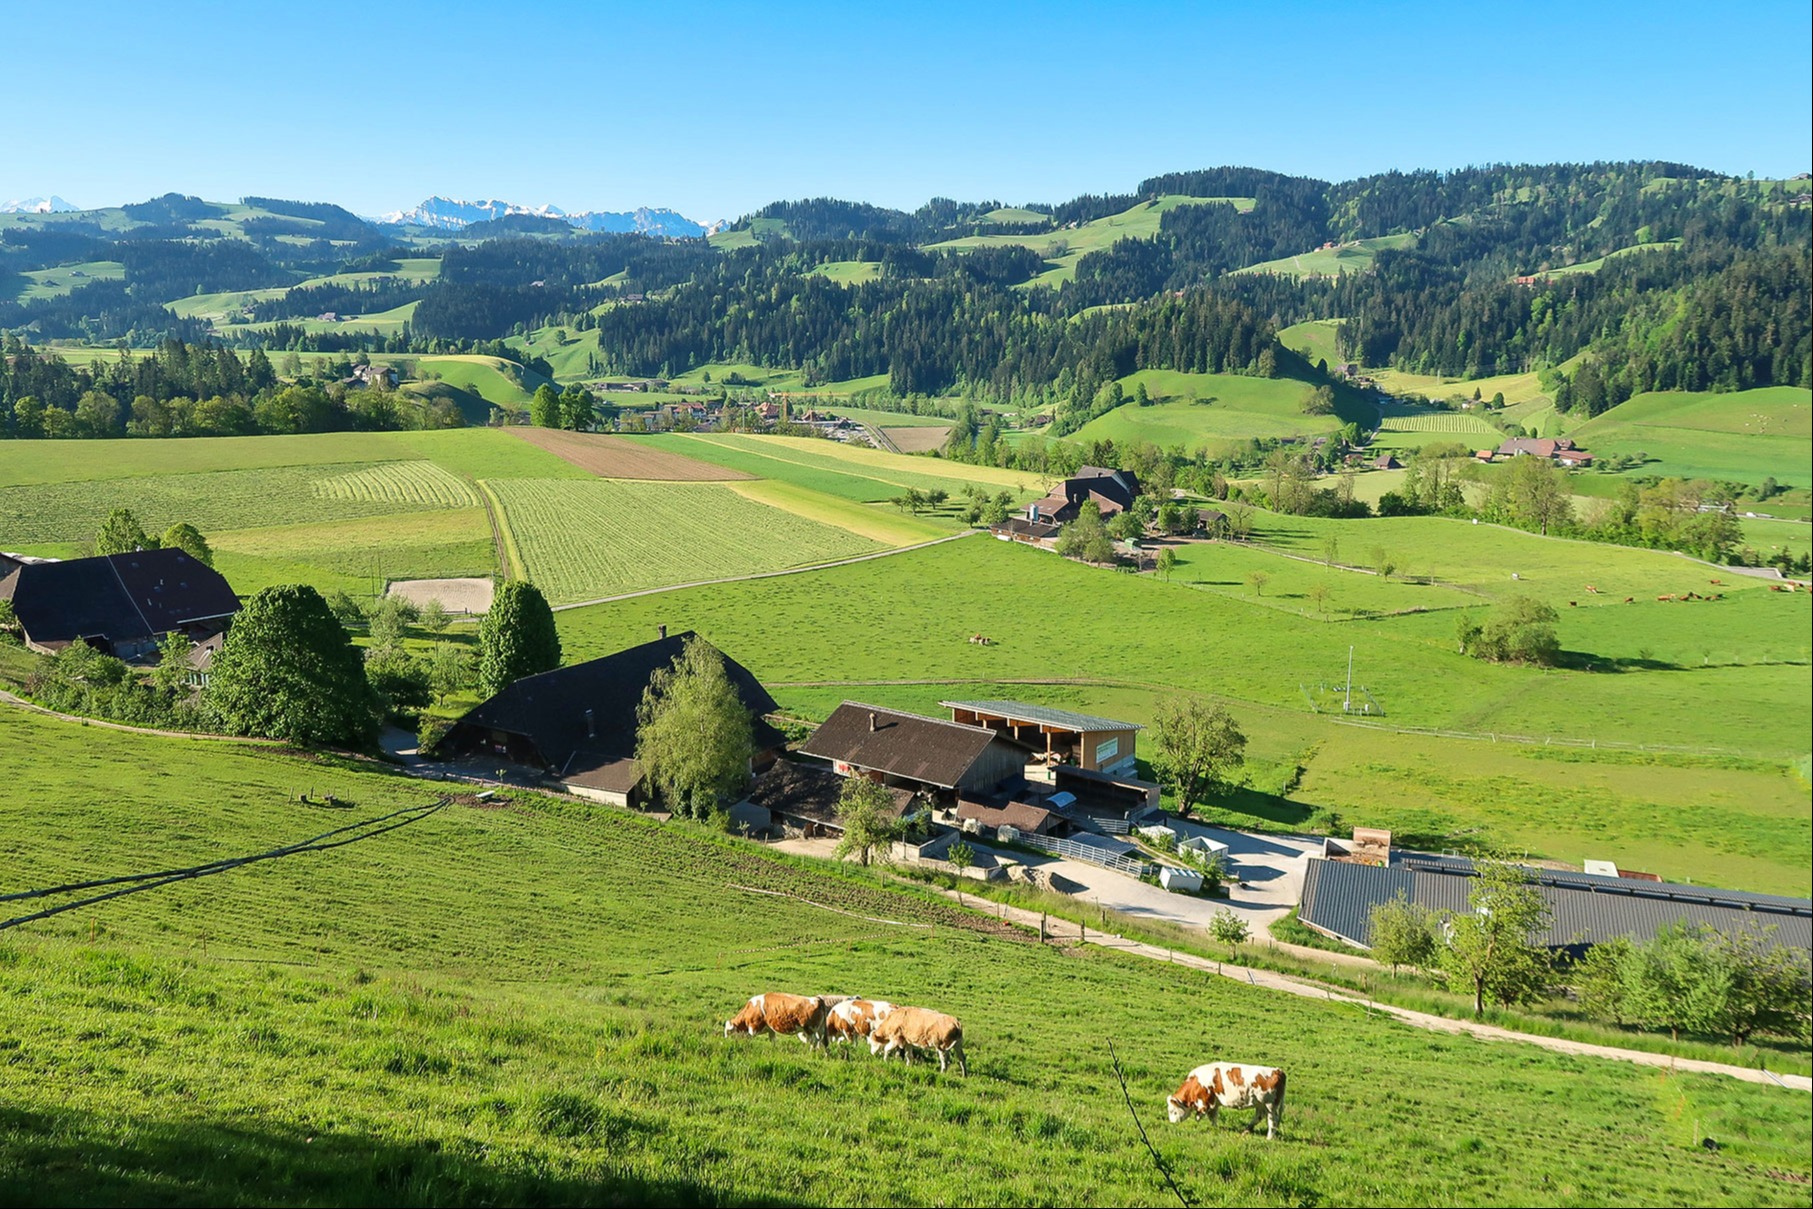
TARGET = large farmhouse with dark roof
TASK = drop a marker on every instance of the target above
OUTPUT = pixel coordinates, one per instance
(578, 723)
(123, 605)
(1112, 491)
(924, 755)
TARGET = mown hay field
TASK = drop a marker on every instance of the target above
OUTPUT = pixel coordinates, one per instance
(523, 1003)
(616, 458)
(1196, 411)
(585, 539)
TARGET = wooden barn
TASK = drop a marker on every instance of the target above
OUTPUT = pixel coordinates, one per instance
(922, 755)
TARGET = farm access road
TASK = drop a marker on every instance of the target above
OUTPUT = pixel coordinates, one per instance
(1062, 929)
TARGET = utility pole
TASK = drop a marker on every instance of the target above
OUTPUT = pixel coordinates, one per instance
(1347, 702)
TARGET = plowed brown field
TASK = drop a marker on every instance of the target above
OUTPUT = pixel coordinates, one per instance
(611, 458)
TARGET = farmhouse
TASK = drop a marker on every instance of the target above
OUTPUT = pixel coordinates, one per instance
(376, 377)
(1019, 529)
(1112, 491)
(578, 723)
(123, 605)
(1058, 736)
(1385, 462)
(1573, 457)
(1585, 908)
(921, 755)
(802, 800)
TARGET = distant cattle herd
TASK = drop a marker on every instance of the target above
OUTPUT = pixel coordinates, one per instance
(889, 1028)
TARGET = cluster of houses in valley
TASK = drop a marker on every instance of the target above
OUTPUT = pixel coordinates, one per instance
(1559, 450)
(687, 415)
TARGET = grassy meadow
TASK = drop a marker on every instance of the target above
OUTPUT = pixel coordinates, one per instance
(1744, 436)
(1314, 339)
(1063, 248)
(1639, 674)
(520, 1002)
(1354, 257)
(1195, 411)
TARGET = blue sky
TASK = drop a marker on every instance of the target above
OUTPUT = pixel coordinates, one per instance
(714, 109)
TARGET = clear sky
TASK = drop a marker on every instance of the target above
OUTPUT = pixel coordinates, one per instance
(713, 109)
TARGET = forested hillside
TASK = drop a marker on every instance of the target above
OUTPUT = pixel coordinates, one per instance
(1612, 279)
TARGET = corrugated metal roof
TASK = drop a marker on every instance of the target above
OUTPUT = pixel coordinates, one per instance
(1020, 711)
(1338, 898)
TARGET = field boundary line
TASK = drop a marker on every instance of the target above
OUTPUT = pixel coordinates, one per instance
(513, 565)
(732, 579)
(895, 923)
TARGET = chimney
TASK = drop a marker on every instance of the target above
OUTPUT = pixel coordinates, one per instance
(873, 724)
(662, 630)
(591, 728)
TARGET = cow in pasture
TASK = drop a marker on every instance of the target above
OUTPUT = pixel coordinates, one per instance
(1630, 600)
(907, 1030)
(855, 1019)
(1236, 1085)
(775, 1012)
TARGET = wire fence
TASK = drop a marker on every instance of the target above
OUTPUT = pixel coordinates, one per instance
(1086, 852)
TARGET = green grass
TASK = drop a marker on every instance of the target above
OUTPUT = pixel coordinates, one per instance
(1223, 567)
(352, 555)
(1744, 435)
(600, 537)
(1516, 388)
(1154, 638)
(1314, 339)
(1063, 248)
(56, 282)
(1593, 266)
(1196, 411)
(1356, 257)
(848, 272)
(504, 383)
(523, 1005)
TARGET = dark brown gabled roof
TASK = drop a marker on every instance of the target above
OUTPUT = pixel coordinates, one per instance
(119, 597)
(584, 715)
(929, 750)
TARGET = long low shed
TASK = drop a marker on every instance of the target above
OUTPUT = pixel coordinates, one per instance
(1585, 908)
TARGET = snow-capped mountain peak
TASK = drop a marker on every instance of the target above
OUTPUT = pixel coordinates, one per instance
(452, 214)
(37, 205)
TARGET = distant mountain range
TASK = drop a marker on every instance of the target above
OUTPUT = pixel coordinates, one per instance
(450, 214)
(37, 205)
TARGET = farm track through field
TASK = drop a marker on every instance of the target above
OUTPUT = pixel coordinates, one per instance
(497, 533)
(1439, 1024)
(703, 583)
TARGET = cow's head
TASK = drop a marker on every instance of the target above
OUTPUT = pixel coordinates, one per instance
(1176, 1109)
(877, 1046)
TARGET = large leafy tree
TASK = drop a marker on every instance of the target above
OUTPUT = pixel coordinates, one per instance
(1518, 630)
(693, 733)
(1492, 953)
(517, 638)
(187, 538)
(866, 810)
(1199, 747)
(289, 671)
(120, 533)
(545, 409)
(1086, 537)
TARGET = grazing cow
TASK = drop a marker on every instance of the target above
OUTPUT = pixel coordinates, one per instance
(1630, 600)
(907, 1030)
(1592, 589)
(854, 1019)
(774, 1012)
(1209, 1089)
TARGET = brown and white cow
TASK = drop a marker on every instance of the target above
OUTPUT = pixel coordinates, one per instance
(775, 1012)
(1236, 1085)
(907, 1030)
(854, 1019)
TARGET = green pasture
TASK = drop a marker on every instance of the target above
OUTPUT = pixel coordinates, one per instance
(582, 539)
(393, 320)
(1516, 388)
(1593, 266)
(847, 272)
(1194, 411)
(360, 552)
(1314, 339)
(56, 282)
(1259, 653)
(1354, 257)
(751, 235)
(889, 419)
(1063, 247)
(1291, 583)
(1772, 536)
(523, 1004)
(223, 306)
(1745, 435)
(493, 379)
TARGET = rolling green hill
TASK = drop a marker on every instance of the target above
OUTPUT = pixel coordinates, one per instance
(1193, 411)
(520, 1001)
(1745, 435)
(1064, 247)
(1354, 256)
(1593, 266)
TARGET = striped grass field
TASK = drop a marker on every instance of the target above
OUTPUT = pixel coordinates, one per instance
(410, 485)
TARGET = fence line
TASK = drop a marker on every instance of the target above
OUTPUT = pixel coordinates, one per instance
(1086, 852)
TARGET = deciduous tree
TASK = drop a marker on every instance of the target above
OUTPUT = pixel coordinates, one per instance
(120, 533)
(693, 733)
(866, 810)
(1492, 951)
(288, 671)
(517, 638)
(1199, 747)
(187, 538)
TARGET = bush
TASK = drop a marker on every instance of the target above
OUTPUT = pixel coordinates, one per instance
(1520, 630)
(430, 730)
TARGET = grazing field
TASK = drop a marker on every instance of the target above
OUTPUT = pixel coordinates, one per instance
(848, 272)
(1354, 257)
(493, 379)
(358, 555)
(1516, 388)
(1745, 435)
(616, 458)
(585, 539)
(863, 475)
(523, 1004)
(876, 522)
(1194, 411)
(1593, 266)
(1257, 656)
(1292, 583)
(58, 281)
(889, 419)
(1314, 339)
(1062, 249)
